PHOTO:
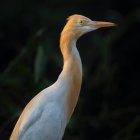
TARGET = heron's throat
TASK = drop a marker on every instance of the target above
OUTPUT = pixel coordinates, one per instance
(67, 43)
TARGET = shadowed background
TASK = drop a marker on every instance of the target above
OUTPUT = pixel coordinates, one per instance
(30, 60)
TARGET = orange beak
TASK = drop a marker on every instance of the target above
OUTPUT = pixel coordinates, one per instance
(100, 24)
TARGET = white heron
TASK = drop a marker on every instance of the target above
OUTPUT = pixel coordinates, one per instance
(45, 117)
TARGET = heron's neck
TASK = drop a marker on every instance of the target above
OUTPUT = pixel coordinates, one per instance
(72, 69)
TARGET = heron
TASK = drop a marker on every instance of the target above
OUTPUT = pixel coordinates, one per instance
(46, 116)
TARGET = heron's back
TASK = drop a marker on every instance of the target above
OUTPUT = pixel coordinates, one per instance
(42, 119)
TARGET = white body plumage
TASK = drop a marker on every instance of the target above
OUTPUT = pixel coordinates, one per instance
(46, 115)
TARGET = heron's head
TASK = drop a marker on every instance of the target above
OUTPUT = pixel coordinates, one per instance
(79, 25)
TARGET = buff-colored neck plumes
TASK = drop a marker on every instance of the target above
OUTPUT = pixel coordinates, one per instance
(72, 68)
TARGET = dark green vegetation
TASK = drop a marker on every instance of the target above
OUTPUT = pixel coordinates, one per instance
(30, 60)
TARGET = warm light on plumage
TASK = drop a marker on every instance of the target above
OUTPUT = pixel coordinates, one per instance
(47, 114)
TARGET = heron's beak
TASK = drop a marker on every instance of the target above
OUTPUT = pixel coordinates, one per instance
(100, 24)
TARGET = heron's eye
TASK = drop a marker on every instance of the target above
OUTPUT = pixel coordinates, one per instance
(81, 22)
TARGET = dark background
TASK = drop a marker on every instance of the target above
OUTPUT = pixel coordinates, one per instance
(30, 60)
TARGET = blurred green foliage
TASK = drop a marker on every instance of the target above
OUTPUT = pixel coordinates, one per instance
(30, 60)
